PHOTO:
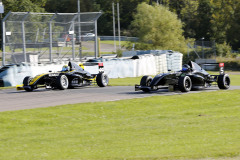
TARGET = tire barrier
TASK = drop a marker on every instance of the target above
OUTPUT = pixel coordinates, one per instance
(120, 68)
(166, 60)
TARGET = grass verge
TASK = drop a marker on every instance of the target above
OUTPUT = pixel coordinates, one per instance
(184, 126)
(123, 43)
(129, 81)
(1, 88)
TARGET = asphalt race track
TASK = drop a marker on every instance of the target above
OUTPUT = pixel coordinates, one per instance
(10, 99)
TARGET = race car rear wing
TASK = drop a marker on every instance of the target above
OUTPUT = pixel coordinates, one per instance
(221, 66)
(100, 68)
(99, 64)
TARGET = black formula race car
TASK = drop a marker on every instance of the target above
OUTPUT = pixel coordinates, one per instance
(192, 76)
(72, 75)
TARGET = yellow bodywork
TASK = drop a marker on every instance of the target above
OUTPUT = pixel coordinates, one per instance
(81, 65)
(19, 87)
(36, 78)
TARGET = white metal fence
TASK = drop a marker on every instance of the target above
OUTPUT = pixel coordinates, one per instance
(49, 36)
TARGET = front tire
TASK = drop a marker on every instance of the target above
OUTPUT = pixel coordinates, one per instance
(185, 84)
(146, 81)
(62, 82)
(26, 85)
(102, 80)
(223, 81)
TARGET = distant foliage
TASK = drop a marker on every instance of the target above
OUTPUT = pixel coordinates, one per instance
(24, 5)
(158, 27)
(223, 50)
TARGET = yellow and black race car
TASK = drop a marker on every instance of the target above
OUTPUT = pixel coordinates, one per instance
(72, 75)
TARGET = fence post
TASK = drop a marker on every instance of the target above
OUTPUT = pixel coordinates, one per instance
(96, 43)
(73, 41)
(214, 46)
(119, 36)
(24, 38)
(4, 38)
(114, 32)
(3, 42)
(202, 47)
(51, 38)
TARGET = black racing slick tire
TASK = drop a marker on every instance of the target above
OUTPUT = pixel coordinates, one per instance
(62, 82)
(146, 81)
(185, 84)
(26, 85)
(223, 81)
(102, 80)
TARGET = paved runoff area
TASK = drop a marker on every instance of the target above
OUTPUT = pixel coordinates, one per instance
(10, 99)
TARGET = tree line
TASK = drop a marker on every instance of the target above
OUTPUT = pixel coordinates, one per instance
(215, 20)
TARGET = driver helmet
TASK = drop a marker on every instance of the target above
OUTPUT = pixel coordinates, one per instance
(186, 67)
(65, 68)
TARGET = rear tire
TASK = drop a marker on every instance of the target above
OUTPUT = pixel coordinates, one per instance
(223, 81)
(26, 82)
(62, 82)
(102, 80)
(185, 84)
(146, 81)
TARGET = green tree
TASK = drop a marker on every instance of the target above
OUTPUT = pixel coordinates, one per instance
(127, 9)
(188, 15)
(176, 6)
(221, 17)
(24, 5)
(233, 33)
(158, 27)
(71, 6)
(225, 22)
(204, 16)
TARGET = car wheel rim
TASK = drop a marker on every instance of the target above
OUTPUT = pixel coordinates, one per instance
(105, 80)
(227, 82)
(187, 84)
(64, 82)
(149, 82)
(30, 79)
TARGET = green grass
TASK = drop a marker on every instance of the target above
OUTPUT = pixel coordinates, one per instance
(184, 126)
(7, 87)
(129, 81)
(235, 80)
(112, 42)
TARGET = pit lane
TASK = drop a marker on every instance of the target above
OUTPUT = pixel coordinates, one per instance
(10, 99)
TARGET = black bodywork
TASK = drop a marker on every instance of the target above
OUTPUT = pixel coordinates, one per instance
(76, 76)
(192, 76)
